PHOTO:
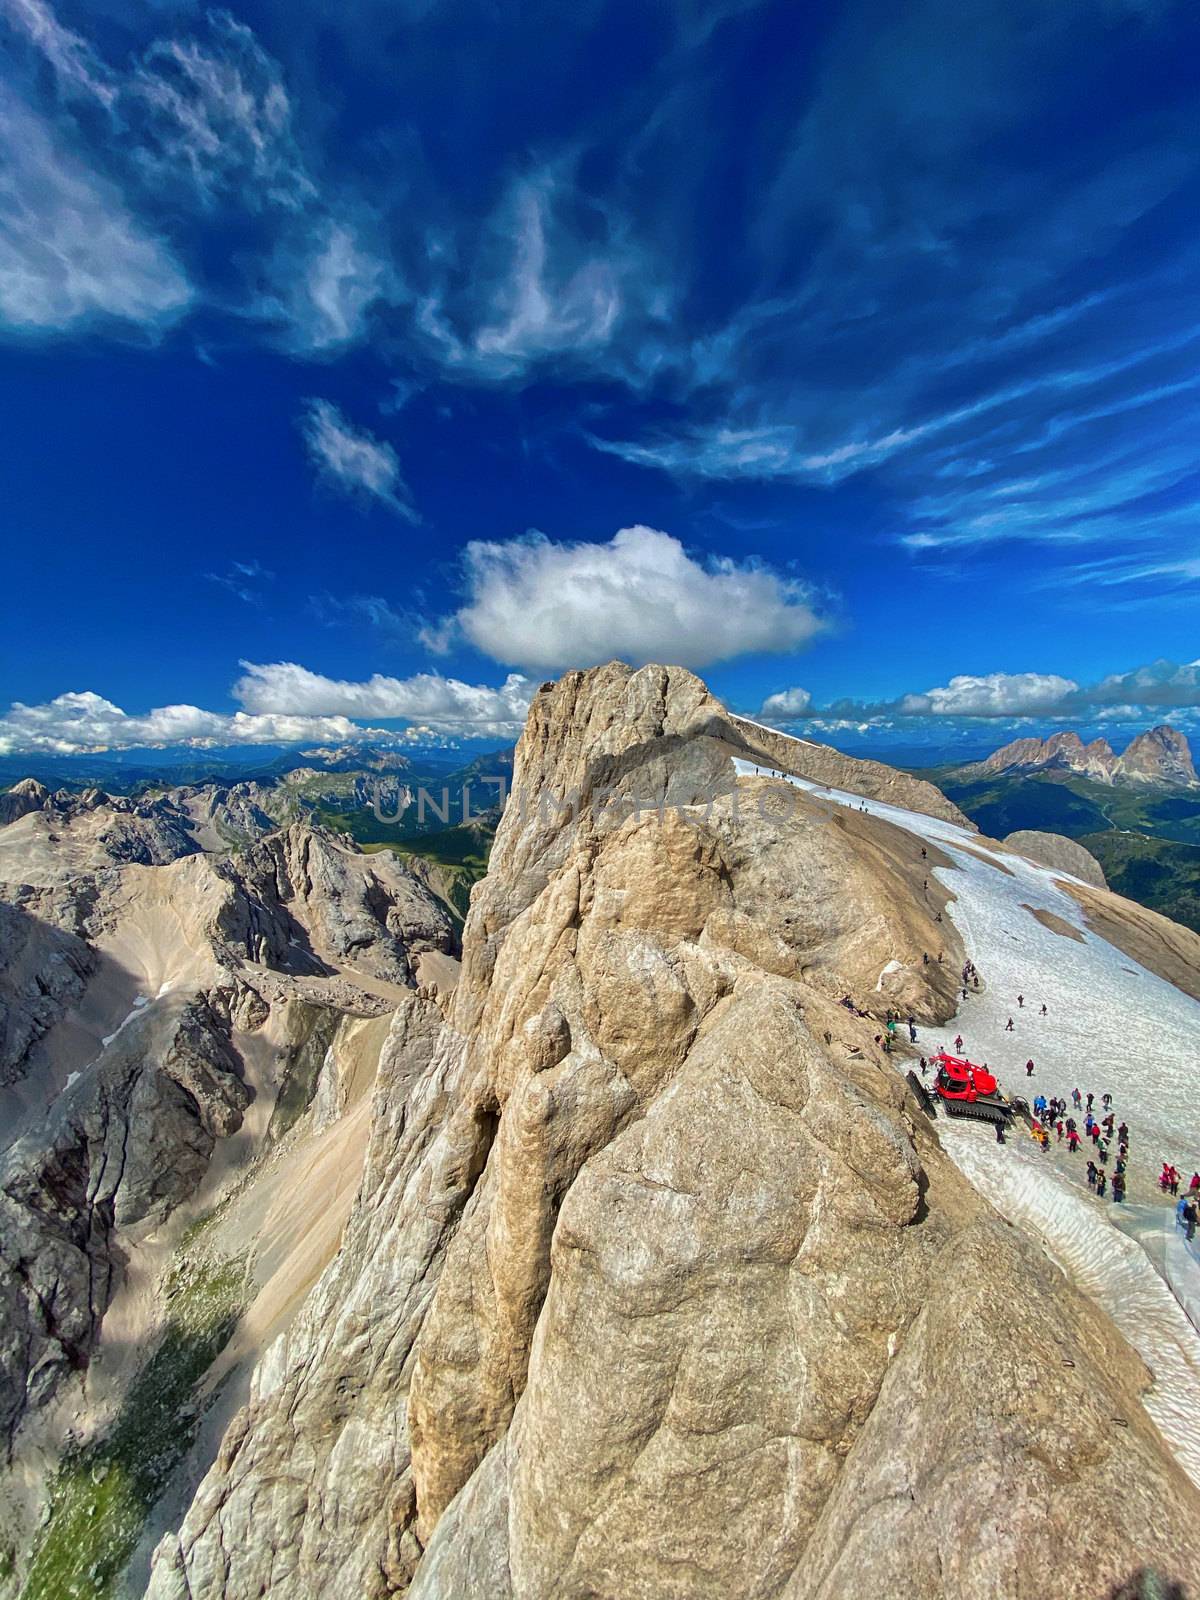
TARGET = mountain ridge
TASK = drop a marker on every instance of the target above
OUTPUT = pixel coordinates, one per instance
(1160, 755)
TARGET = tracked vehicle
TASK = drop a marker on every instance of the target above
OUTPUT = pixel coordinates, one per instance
(964, 1090)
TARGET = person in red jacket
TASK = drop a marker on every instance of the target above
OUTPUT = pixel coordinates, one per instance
(1072, 1140)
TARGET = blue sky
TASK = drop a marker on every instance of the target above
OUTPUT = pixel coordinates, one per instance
(362, 366)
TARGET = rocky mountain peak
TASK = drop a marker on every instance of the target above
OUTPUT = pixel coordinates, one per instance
(1161, 755)
(657, 1283)
(24, 797)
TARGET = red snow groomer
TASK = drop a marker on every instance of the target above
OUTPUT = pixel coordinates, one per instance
(966, 1090)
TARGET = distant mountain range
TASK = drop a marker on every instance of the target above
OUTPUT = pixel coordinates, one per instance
(1162, 755)
(1138, 813)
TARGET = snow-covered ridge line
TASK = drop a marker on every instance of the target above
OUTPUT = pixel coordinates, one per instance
(1111, 1026)
(736, 716)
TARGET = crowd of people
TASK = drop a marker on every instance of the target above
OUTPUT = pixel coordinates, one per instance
(1079, 1121)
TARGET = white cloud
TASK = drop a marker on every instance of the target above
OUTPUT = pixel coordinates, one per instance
(75, 64)
(282, 703)
(998, 694)
(285, 688)
(218, 111)
(87, 722)
(535, 313)
(327, 283)
(1162, 684)
(242, 579)
(545, 282)
(354, 460)
(786, 703)
(640, 597)
(69, 248)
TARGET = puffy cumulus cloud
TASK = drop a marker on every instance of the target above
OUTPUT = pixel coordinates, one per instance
(353, 460)
(640, 597)
(285, 688)
(87, 722)
(1160, 686)
(997, 694)
(786, 703)
(70, 249)
(1164, 684)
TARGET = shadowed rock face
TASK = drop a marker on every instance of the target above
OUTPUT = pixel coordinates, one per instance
(126, 1144)
(657, 1284)
(43, 970)
(119, 1142)
(301, 888)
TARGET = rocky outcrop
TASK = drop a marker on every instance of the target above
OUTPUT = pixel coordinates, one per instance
(124, 1145)
(304, 894)
(1061, 751)
(43, 971)
(658, 1284)
(24, 797)
(69, 834)
(1057, 851)
(231, 815)
(1161, 756)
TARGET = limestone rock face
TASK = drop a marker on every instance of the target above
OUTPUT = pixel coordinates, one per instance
(1162, 755)
(1061, 750)
(825, 765)
(64, 835)
(303, 890)
(1057, 851)
(24, 797)
(658, 1285)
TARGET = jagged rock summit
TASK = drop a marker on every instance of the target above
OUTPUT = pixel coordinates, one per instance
(657, 1285)
(1161, 755)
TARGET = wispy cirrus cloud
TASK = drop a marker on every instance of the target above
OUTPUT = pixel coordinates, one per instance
(198, 124)
(243, 579)
(71, 251)
(215, 110)
(353, 460)
(76, 65)
(550, 279)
